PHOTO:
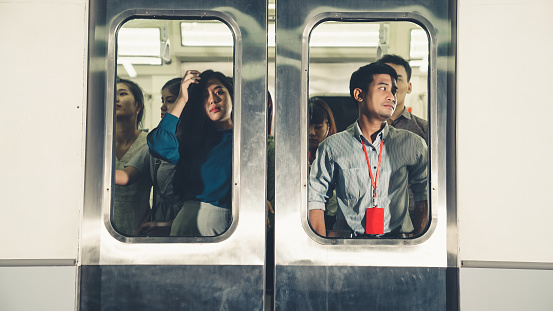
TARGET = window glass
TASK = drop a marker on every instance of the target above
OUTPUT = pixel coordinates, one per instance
(205, 33)
(172, 189)
(340, 187)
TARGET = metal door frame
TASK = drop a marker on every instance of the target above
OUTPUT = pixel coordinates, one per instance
(319, 271)
(120, 272)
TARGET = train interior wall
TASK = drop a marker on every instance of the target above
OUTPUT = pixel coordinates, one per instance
(503, 74)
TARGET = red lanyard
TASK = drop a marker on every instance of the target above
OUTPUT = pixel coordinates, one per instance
(374, 180)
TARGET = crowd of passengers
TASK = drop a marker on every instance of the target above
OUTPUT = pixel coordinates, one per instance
(368, 181)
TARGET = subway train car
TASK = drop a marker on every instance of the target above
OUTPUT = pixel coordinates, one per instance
(484, 245)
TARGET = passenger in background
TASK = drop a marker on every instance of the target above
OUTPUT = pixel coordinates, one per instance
(131, 204)
(269, 209)
(270, 164)
(270, 109)
(403, 119)
(160, 174)
(370, 164)
(202, 152)
(321, 125)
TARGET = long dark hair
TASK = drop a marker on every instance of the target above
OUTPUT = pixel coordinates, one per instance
(193, 117)
(198, 133)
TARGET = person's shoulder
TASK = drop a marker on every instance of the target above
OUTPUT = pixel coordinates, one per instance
(422, 122)
(141, 139)
(401, 134)
(340, 137)
(141, 158)
(337, 141)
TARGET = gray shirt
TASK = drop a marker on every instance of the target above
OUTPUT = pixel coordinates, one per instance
(160, 174)
(131, 203)
(341, 165)
(412, 123)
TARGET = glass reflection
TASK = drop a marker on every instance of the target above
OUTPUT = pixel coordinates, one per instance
(151, 196)
(403, 46)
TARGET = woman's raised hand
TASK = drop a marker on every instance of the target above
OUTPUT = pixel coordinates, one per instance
(191, 77)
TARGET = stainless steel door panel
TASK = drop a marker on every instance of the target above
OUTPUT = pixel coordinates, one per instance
(145, 263)
(319, 262)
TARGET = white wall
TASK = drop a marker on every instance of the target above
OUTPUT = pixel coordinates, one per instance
(505, 141)
(506, 290)
(37, 288)
(42, 94)
(504, 152)
(43, 101)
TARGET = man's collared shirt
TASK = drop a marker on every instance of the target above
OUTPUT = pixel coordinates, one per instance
(412, 123)
(341, 165)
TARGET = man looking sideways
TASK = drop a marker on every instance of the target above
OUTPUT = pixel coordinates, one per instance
(370, 165)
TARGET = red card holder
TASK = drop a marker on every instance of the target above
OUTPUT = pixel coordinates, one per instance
(374, 220)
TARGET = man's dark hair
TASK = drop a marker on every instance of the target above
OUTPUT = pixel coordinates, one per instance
(363, 77)
(397, 60)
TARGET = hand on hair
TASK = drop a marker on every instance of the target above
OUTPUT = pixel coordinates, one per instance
(191, 77)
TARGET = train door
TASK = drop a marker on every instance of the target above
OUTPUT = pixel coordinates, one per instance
(313, 272)
(121, 270)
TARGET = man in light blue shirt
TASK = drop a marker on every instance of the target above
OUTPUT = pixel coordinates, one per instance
(343, 162)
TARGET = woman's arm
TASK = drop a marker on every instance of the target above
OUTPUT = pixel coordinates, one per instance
(162, 140)
(127, 176)
(133, 169)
